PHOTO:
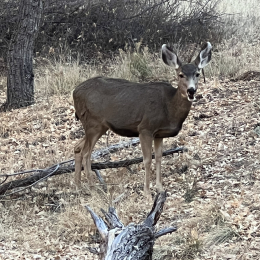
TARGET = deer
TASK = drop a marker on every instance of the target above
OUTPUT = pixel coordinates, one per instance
(151, 111)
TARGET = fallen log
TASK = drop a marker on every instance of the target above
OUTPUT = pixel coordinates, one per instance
(114, 148)
(64, 168)
(133, 242)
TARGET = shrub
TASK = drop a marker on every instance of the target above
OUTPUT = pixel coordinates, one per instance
(87, 28)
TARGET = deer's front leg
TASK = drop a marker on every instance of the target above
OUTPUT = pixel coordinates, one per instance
(158, 146)
(146, 141)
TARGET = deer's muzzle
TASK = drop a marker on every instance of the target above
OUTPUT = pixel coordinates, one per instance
(191, 92)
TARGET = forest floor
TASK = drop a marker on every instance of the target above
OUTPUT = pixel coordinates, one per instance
(213, 189)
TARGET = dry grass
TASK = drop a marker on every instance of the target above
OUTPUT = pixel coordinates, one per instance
(60, 76)
(240, 51)
(213, 189)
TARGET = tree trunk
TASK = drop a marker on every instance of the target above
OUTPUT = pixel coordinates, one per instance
(20, 78)
(133, 242)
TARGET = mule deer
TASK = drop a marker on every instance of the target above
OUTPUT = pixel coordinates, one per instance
(151, 111)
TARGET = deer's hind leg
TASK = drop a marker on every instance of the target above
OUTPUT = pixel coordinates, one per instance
(91, 137)
(78, 161)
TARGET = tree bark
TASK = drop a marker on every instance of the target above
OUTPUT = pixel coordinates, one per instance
(20, 78)
(133, 242)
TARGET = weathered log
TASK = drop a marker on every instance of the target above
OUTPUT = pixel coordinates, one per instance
(133, 242)
(61, 169)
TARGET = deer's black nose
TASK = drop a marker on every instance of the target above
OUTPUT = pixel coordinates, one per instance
(191, 91)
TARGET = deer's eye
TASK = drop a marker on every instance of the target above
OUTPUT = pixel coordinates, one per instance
(181, 75)
(197, 75)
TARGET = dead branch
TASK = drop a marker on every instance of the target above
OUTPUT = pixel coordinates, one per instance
(50, 172)
(101, 180)
(69, 167)
(95, 155)
(132, 242)
(114, 148)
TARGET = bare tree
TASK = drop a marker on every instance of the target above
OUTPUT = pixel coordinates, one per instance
(20, 78)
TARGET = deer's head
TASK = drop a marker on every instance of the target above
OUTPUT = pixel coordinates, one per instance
(188, 74)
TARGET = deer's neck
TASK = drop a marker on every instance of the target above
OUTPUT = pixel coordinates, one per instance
(180, 107)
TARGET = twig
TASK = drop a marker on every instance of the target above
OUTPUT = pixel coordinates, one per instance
(101, 180)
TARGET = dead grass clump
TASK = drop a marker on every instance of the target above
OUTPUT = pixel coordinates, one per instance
(220, 234)
(188, 245)
(139, 65)
(206, 228)
(192, 249)
(61, 77)
(75, 224)
(234, 57)
(239, 52)
(57, 78)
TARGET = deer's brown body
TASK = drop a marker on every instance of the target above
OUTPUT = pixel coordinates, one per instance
(101, 101)
(151, 111)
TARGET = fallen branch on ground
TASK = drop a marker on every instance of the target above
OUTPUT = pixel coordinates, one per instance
(134, 241)
(95, 155)
(61, 169)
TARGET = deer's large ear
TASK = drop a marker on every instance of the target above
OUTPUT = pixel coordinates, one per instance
(169, 57)
(204, 56)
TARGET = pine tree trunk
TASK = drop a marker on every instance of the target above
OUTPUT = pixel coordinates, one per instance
(20, 78)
